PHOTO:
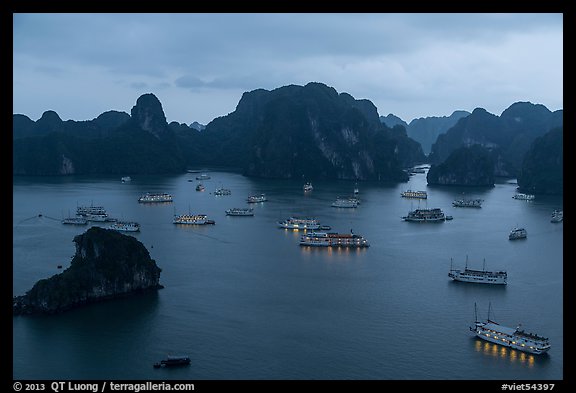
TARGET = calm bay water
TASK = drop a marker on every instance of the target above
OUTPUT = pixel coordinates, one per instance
(245, 301)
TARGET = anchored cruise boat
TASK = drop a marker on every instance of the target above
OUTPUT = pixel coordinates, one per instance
(237, 211)
(467, 203)
(323, 239)
(426, 215)
(155, 197)
(517, 233)
(125, 226)
(256, 198)
(477, 276)
(509, 337)
(299, 223)
(414, 194)
(192, 219)
(524, 197)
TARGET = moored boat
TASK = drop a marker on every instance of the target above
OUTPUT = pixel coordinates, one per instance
(126, 179)
(172, 361)
(256, 198)
(223, 191)
(515, 338)
(346, 202)
(478, 276)
(517, 233)
(236, 211)
(524, 197)
(85, 210)
(192, 219)
(557, 216)
(308, 187)
(155, 197)
(125, 226)
(414, 194)
(297, 223)
(200, 187)
(467, 203)
(324, 239)
(426, 215)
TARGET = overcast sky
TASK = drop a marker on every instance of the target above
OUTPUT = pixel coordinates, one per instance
(198, 65)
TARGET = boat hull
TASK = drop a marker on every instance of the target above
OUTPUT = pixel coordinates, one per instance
(493, 340)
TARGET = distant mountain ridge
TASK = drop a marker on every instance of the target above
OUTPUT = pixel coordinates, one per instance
(510, 135)
(294, 131)
(426, 130)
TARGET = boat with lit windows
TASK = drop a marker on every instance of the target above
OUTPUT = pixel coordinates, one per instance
(172, 361)
(125, 226)
(557, 216)
(326, 239)
(517, 233)
(414, 194)
(155, 197)
(516, 338)
(523, 197)
(308, 187)
(256, 198)
(192, 219)
(467, 203)
(237, 211)
(478, 276)
(75, 221)
(203, 176)
(345, 202)
(223, 191)
(297, 223)
(426, 215)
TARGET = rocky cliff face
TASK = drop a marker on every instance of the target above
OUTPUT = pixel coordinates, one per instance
(149, 115)
(310, 132)
(106, 265)
(466, 166)
(543, 168)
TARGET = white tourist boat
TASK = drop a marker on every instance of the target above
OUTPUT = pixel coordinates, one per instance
(237, 211)
(515, 338)
(324, 239)
(414, 194)
(346, 202)
(467, 203)
(256, 198)
(523, 197)
(299, 223)
(478, 276)
(85, 210)
(126, 179)
(125, 226)
(155, 197)
(192, 219)
(308, 187)
(223, 191)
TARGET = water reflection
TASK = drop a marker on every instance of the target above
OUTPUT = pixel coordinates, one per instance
(511, 355)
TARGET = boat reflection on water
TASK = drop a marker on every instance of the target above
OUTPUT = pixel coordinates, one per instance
(509, 354)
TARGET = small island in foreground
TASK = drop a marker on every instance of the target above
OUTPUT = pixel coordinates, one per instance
(107, 265)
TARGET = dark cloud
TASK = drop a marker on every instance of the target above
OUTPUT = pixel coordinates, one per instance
(396, 60)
